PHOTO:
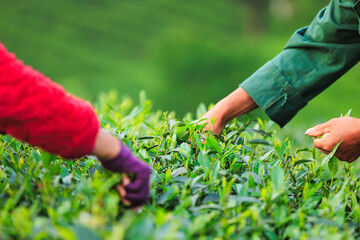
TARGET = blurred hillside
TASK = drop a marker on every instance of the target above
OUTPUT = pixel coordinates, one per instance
(180, 52)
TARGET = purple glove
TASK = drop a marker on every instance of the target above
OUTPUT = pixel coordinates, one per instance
(138, 191)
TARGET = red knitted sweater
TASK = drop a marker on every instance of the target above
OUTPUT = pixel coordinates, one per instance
(38, 111)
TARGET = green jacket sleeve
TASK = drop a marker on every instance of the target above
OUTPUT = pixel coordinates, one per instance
(311, 61)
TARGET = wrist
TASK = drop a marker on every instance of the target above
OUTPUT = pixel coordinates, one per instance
(125, 161)
(106, 146)
(235, 104)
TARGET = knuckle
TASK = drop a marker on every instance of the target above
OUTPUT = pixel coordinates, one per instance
(327, 148)
(317, 144)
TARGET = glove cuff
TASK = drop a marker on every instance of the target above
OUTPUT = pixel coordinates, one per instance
(117, 163)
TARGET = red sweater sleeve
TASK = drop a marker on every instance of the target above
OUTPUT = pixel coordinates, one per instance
(38, 111)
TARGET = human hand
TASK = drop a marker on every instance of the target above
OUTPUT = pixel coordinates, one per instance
(136, 192)
(121, 189)
(213, 122)
(235, 104)
(345, 130)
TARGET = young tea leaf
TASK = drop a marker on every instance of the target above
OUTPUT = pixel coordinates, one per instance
(213, 144)
(204, 161)
(277, 177)
(333, 166)
(303, 161)
(327, 159)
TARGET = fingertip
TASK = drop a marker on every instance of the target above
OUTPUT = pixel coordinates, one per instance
(309, 131)
(125, 180)
(121, 190)
(126, 202)
(122, 193)
(318, 143)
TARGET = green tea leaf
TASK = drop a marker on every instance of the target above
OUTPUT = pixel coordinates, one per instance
(213, 144)
(310, 192)
(212, 197)
(178, 171)
(84, 233)
(331, 154)
(260, 141)
(204, 161)
(277, 177)
(333, 166)
(303, 161)
(185, 148)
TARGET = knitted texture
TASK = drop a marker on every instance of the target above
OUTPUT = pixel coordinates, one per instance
(38, 111)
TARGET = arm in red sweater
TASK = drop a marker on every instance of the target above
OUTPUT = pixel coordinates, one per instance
(40, 112)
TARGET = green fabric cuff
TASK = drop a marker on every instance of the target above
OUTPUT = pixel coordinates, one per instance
(274, 94)
(357, 10)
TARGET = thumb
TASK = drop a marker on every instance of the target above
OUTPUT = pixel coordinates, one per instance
(318, 130)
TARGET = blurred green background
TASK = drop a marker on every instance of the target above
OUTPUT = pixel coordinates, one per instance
(180, 52)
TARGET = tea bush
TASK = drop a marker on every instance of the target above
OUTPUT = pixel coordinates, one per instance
(245, 184)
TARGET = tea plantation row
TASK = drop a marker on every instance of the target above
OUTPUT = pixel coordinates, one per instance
(246, 184)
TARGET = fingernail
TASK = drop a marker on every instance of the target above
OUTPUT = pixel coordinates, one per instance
(309, 131)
